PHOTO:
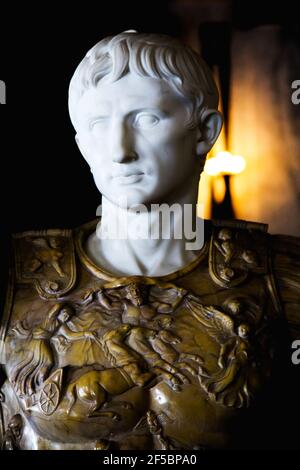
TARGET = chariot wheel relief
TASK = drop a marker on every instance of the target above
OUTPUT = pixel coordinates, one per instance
(49, 398)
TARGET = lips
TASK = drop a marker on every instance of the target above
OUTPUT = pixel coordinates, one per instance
(127, 173)
(129, 178)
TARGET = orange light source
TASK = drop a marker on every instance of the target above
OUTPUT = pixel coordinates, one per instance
(224, 163)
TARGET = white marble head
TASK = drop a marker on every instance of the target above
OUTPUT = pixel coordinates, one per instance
(144, 108)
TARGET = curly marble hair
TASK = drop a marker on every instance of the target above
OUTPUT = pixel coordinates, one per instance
(148, 55)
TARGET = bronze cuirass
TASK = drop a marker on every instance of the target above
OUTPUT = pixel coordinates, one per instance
(95, 361)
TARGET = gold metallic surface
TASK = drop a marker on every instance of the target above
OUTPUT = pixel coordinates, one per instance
(93, 361)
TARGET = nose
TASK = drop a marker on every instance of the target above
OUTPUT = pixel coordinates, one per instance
(122, 149)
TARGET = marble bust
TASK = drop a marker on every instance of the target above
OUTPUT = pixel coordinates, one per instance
(140, 341)
(145, 133)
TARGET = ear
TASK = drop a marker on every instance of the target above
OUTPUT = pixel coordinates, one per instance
(209, 130)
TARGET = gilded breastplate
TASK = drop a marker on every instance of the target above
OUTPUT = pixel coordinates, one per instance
(96, 362)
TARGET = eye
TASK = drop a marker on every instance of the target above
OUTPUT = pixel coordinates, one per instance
(98, 122)
(145, 121)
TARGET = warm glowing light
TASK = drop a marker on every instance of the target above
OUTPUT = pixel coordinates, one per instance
(218, 188)
(225, 163)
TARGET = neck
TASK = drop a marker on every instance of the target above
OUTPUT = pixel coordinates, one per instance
(151, 242)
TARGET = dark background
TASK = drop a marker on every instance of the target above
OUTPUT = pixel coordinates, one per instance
(44, 180)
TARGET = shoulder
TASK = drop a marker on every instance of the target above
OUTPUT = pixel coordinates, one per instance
(46, 259)
(237, 248)
(285, 258)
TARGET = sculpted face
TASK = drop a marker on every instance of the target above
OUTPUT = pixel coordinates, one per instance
(132, 133)
(64, 315)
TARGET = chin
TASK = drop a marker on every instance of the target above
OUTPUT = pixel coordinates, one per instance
(129, 199)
